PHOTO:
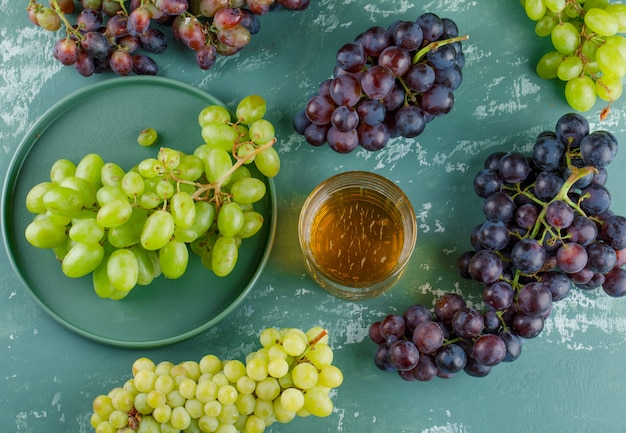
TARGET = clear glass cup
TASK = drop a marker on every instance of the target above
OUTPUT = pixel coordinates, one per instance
(357, 231)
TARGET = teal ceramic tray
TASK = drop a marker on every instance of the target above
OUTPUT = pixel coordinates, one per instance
(105, 118)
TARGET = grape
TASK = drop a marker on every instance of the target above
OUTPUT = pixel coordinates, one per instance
(95, 216)
(549, 229)
(587, 54)
(396, 79)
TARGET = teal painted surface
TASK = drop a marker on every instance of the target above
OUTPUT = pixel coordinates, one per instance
(568, 380)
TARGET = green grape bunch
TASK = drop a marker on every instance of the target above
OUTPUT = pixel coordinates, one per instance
(589, 48)
(127, 227)
(291, 375)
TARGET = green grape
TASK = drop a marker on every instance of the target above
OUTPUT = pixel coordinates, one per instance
(194, 408)
(162, 414)
(100, 281)
(618, 10)
(213, 113)
(63, 201)
(132, 184)
(617, 42)
(610, 61)
(147, 265)
(109, 193)
(589, 49)
(255, 424)
(545, 25)
(220, 135)
(245, 404)
(565, 38)
(281, 414)
(173, 259)
(149, 200)
(180, 418)
(191, 168)
(570, 68)
(227, 394)
(580, 93)
(294, 342)
(208, 423)
(157, 230)
(141, 404)
(330, 377)
(60, 220)
(556, 5)
(42, 233)
(588, 4)
(224, 256)
(61, 169)
(111, 175)
(601, 22)
(114, 213)
(609, 88)
(247, 152)
(548, 65)
(123, 270)
(86, 230)
(250, 109)
(183, 209)
(292, 399)
(228, 416)
(252, 223)
(268, 162)
(248, 190)
(34, 198)
(217, 163)
(229, 219)
(304, 375)
(277, 367)
(147, 137)
(165, 189)
(149, 168)
(204, 217)
(170, 158)
(129, 233)
(90, 169)
(535, 9)
(261, 132)
(317, 402)
(84, 188)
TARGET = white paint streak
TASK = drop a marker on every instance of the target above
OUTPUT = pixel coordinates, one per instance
(448, 428)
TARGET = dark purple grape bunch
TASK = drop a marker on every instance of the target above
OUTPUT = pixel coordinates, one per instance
(123, 36)
(387, 83)
(548, 229)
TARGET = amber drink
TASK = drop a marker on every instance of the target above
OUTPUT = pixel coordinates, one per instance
(357, 231)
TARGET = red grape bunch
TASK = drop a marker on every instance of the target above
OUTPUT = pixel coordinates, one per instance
(387, 83)
(121, 36)
(548, 229)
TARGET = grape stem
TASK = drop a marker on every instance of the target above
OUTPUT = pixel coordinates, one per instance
(436, 44)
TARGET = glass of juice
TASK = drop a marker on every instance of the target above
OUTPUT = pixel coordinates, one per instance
(357, 231)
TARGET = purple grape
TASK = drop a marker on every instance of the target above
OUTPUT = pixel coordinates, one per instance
(485, 267)
(498, 295)
(414, 315)
(527, 326)
(397, 59)
(548, 152)
(374, 333)
(613, 232)
(489, 350)
(437, 100)
(377, 82)
(571, 257)
(443, 57)
(596, 199)
(534, 299)
(371, 111)
(153, 41)
(428, 337)
(315, 135)
(408, 35)
(319, 110)
(571, 128)
(513, 167)
(344, 118)
(345, 90)
(499, 207)
(374, 40)
(432, 26)
(392, 324)
(420, 77)
(547, 185)
(467, 323)
(342, 142)
(486, 182)
(601, 258)
(615, 283)
(494, 235)
(528, 256)
(403, 355)
(449, 77)
(447, 305)
(557, 283)
(513, 343)
(426, 368)
(381, 358)
(351, 57)
(598, 149)
(410, 121)
(451, 358)
(559, 214)
(373, 137)
(526, 215)
(582, 230)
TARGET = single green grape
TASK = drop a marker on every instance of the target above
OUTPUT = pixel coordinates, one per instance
(248, 190)
(86, 230)
(147, 137)
(230, 219)
(610, 61)
(157, 230)
(114, 213)
(570, 68)
(580, 93)
(81, 259)
(213, 113)
(252, 224)
(217, 163)
(261, 132)
(565, 38)
(250, 109)
(90, 168)
(183, 209)
(84, 188)
(545, 25)
(111, 175)
(133, 184)
(224, 256)
(34, 197)
(268, 162)
(123, 270)
(169, 158)
(173, 259)
(601, 22)
(247, 152)
(149, 168)
(556, 5)
(190, 168)
(146, 265)
(61, 169)
(609, 88)
(220, 135)
(535, 9)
